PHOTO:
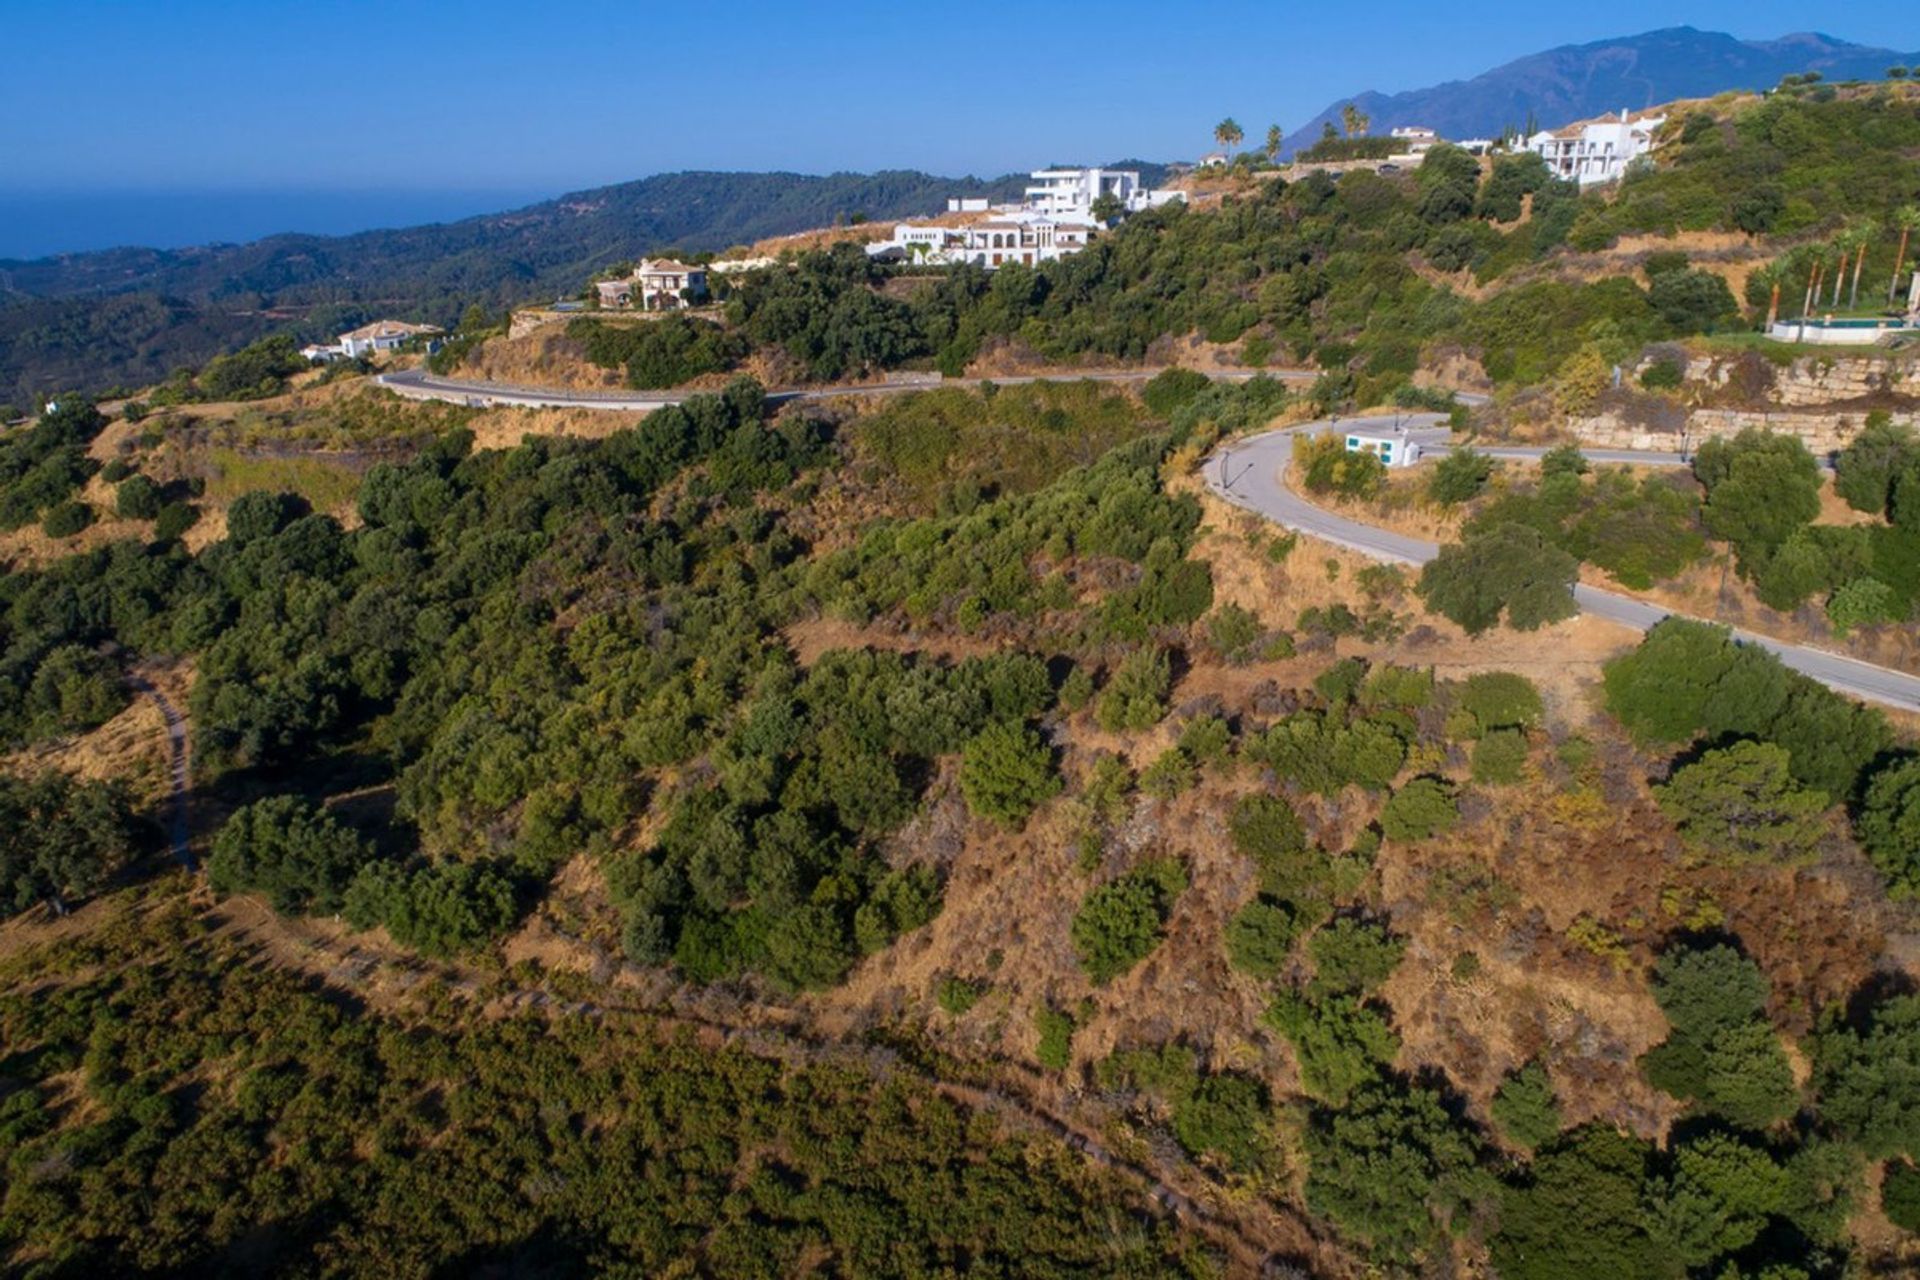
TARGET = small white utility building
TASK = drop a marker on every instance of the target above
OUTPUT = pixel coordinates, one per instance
(1394, 446)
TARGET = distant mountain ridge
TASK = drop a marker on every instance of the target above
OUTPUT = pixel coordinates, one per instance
(1578, 82)
(550, 244)
(129, 316)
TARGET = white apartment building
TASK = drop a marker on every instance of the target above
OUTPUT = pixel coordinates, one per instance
(1594, 151)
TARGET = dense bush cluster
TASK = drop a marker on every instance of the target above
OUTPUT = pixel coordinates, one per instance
(63, 840)
(216, 1094)
(42, 465)
(663, 352)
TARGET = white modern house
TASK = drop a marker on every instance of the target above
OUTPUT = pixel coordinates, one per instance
(381, 335)
(1076, 191)
(1595, 151)
(1392, 445)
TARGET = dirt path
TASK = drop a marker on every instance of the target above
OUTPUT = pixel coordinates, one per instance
(179, 825)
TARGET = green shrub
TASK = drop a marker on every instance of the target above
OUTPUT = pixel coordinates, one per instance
(1867, 1077)
(66, 519)
(1006, 772)
(1663, 375)
(1173, 389)
(137, 498)
(1353, 957)
(1136, 696)
(1422, 809)
(1260, 937)
(440, 908)
(1224, 1116)
(957, 995)
(1170, 774)
(1890, 825)
(1507, 569)
(1741, 803)
(1499, 700)
(1119, 923)
(1500, 757)
(1900, 1195)
(1055, 1051)
(1390, 1169)
(1460, 476)
(1721, 1053)
(298, 855)
(1525, 1107)
(173, 520)
(1340, 1042)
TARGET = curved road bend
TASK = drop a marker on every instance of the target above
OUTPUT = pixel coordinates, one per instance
(418, 384)
(1250, 474)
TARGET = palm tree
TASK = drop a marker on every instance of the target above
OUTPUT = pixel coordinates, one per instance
(1907, 218)
(1274, 138)
(1355, 120)
(1864, 233)
(1227, 133)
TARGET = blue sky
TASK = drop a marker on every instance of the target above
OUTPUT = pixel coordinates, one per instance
(199, 94)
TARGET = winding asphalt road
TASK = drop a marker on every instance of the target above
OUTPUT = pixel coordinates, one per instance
(1251, 473)
(418, 384)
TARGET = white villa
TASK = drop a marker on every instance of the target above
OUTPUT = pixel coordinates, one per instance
(1594, 151)
(1021, 236)
(1076, 191)
(658, 284)
(1055, 220)
(381, 335)
(1415, 140)
(1392, 445)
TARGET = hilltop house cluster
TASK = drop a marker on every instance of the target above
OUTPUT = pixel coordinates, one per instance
(1588, 152)
(1054, 218)
(368, 339)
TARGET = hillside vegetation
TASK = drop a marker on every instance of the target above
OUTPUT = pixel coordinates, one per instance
(932, 835)
(915, 728)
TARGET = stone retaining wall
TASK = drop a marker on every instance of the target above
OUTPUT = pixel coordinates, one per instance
(1823, 433)
(1820, 380)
